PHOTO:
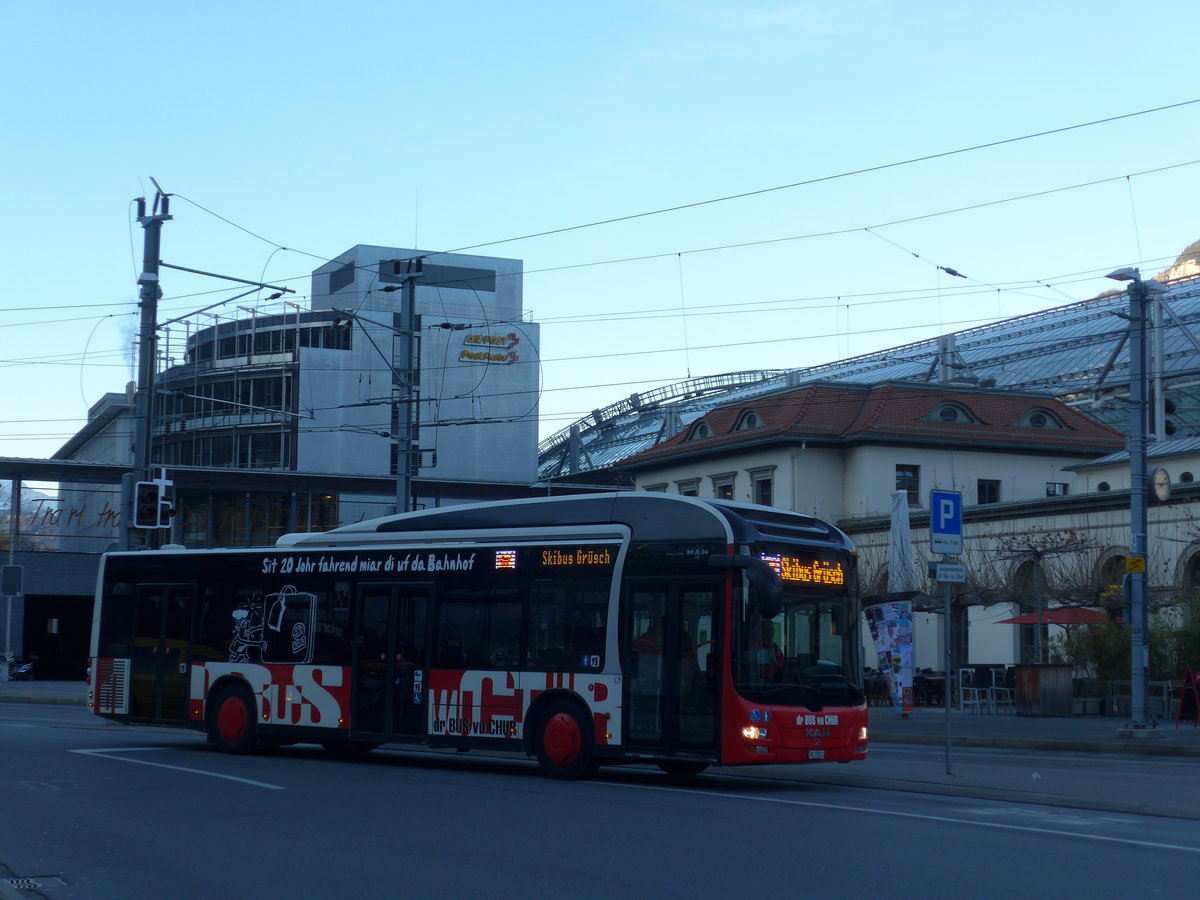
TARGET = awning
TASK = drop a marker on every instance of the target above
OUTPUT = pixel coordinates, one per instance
(1063, 616)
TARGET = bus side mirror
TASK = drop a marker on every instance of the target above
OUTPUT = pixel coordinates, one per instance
(768, 587)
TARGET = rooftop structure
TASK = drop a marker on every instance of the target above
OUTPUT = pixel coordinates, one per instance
(1077, 353)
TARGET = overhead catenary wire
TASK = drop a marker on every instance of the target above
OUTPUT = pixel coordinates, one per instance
(782, 187)
(745, 194)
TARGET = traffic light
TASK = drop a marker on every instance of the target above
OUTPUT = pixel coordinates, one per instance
(166, 504)
(146, 502)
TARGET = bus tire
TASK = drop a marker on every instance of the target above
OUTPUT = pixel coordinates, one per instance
(564, 742)
(233, 720)
(682, 768)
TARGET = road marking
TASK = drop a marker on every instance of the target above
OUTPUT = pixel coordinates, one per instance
(1130, 842)
(106, 754)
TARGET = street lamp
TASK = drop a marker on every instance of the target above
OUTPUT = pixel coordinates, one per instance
(1139, 292)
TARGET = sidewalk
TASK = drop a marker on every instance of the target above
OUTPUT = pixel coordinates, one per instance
(69, 692)
(1088, 734)
(1159, 784)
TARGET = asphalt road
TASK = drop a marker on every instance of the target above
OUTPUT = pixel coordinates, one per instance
(95, 811)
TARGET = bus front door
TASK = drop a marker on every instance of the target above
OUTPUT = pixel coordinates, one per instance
(389, 684)
(673, 664)
(162, 651)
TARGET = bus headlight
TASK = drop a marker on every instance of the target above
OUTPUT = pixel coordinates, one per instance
(862, 733)
(754, 733)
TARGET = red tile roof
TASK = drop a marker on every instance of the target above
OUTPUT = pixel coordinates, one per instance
(887, 413)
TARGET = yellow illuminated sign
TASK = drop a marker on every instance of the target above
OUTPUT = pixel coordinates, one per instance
(807, 571)
(580, 556)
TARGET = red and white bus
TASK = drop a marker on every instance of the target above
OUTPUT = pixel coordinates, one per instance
(582, 630)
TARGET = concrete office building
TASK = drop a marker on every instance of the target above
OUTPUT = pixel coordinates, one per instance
(325, 390)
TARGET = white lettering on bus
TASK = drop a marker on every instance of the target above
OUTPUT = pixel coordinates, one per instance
(287, 695)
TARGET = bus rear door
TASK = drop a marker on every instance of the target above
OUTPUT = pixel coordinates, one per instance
(162, 651)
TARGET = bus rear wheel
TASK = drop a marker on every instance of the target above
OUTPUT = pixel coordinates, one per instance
(233, 720)
(564, 742)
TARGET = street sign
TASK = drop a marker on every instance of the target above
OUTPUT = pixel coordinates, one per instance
(951, 573)
(945, 522)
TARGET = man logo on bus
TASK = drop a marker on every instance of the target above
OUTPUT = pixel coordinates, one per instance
(247, 635)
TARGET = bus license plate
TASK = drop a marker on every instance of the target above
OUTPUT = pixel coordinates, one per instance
(816, 754)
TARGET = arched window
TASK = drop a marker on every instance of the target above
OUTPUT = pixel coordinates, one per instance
(1112, 572)
(951, 414)
(1039, 417)
(1029, 591)
(700, 431)
(1191, 573)
(749, 419)
(1029, 583)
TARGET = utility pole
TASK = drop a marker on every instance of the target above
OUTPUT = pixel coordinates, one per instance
(149, 293)
(1139, 292)
(407, 375)
(1136, 563)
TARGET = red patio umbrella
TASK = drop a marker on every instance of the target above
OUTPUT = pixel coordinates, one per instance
(1070, 615)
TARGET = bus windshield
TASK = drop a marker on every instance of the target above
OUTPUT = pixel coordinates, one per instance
(805, 656)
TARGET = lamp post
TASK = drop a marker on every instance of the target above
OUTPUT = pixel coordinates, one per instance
(1139, 294)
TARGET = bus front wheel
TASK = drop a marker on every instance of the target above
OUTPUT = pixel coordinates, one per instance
(233, 720)
(564, 747)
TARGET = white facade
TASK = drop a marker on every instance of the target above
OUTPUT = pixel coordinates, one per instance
(479, 377)
(1034, 498)
(836, 483)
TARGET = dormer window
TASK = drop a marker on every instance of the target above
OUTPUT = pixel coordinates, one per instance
(1041, 418)
(749, 419)
(700, 431)
(951, 414)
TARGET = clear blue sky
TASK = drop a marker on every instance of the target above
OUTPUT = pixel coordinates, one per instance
(320, 126)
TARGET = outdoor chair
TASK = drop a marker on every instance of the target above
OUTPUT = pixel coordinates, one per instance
(971, 697)
(1003, 693)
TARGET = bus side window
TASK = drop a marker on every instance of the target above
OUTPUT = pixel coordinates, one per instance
(450, 652)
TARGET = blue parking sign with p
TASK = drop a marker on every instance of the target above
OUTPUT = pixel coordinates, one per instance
(945, 522)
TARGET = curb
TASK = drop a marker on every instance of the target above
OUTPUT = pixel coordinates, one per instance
(48, 699)
(1140, 747)
(998, 794)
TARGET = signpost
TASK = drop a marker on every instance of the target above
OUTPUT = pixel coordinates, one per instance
(950, 573)
(945, 522)
(11, 585)
(945, 537)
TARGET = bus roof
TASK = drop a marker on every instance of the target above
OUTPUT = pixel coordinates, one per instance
(649, 516)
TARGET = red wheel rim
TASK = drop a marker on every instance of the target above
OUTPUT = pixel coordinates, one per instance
(232, 720)
(562, 739)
